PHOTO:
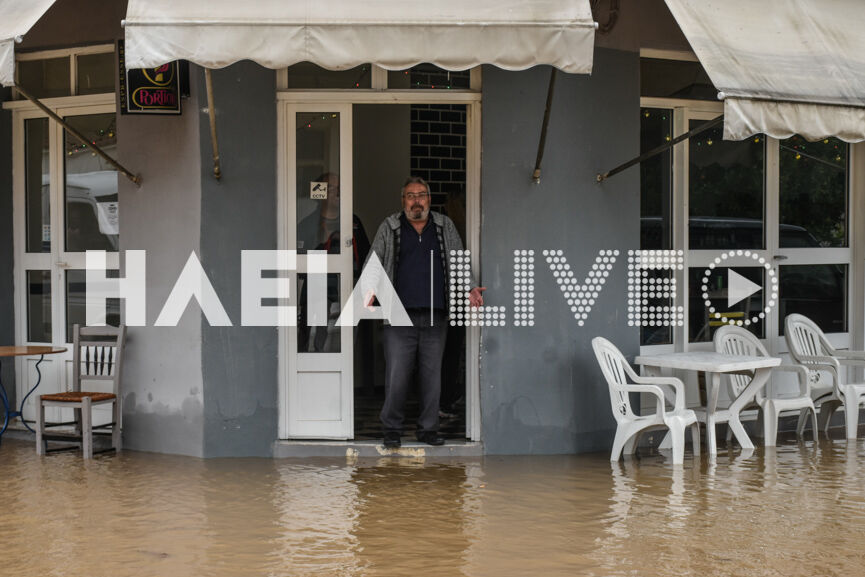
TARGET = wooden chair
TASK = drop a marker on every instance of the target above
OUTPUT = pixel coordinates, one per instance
(618, 372)
(97, 356)
(734, 340)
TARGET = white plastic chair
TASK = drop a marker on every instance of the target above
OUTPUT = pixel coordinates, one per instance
(733, 340)
(617, 371)
(810, 348)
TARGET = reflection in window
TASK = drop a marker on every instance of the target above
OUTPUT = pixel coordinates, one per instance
(37, 204)
(818, 291)
(675, 79)
(39, 306)
(95, 73)
(76, 302)
(318, 182)
(318, 335)
(429, 77)
(813, 188)
(45, 78)
(92, 208)
(726, 187)
(703, 321)
(309, 75)
(656, 182)
(656, 283)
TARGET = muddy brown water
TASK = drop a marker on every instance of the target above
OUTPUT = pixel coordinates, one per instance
(795, 510)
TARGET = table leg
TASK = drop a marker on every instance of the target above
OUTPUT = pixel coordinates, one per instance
(667, 440)
(30, 392)
(5, 399)
(8, 413)
(713, 381)
(761, 376)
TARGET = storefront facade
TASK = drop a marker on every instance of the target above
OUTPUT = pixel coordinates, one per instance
(205, 390)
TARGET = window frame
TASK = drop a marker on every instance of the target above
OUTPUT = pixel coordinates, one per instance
(683, 112)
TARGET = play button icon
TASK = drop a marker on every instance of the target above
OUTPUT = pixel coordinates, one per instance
(739, 288)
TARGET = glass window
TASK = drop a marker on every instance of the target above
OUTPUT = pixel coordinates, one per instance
(324, 338)
(95, 73)
(39, 306)
(45, 78)
(308, 75)
(37, 204)
(675, 79)
(726, 185)
(708, 302)
(813, 188)
(656, 191)
(92, 209)
(318, 198)
(428, 76)
(818, 291)
(656, 180)
(76, 303)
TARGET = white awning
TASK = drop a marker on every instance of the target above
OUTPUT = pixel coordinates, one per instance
(17, 17)
(784, 66)
(341, 34)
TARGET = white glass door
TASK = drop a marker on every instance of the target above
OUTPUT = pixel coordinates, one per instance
(66, 202)
(318, 368)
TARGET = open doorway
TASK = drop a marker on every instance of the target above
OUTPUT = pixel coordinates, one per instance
(390, 142)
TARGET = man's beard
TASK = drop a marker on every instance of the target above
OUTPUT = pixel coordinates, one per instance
(424, 213)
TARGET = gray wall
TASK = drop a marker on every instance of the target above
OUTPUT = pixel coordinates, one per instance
(238, 213)
(7, 309)
(163, 406)
(541, 389)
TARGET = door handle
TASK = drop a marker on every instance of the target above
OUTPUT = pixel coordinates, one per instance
(780, 257)
(61, 264)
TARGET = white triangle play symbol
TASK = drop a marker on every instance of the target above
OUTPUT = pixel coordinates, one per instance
(739, 288)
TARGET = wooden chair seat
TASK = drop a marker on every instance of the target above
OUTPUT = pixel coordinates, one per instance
(97, 356)
(77, 396)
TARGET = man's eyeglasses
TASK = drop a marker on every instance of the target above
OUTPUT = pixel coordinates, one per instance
(416, 195)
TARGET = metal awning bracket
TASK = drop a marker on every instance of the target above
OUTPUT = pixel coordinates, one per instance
(536, 174)
(602, 176)
(211, 112)
(136, 178)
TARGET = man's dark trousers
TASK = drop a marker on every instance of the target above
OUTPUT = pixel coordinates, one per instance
(418, 348)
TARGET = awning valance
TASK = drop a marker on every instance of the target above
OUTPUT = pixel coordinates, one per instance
(17, 17)
(341, 34)
(784, 66)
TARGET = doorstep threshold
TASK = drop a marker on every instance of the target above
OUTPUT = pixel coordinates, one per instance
(373, 448)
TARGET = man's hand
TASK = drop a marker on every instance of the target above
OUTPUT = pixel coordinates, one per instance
(476, 299)
(368, 299)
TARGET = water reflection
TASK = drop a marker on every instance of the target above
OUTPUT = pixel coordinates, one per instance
(792, 510)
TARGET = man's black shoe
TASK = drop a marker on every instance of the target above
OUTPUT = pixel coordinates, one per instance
(392, 440)
(431, 438)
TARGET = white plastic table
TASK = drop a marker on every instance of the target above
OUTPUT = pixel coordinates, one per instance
(714, 365)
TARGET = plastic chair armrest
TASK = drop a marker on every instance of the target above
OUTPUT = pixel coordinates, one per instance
(802, 373)
(677, 385)
(830, 364)
(652, 390)
(850, 355)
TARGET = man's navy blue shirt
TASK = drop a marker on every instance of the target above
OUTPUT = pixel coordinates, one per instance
(416, 264)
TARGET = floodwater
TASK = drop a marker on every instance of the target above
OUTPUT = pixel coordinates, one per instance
(795, 510)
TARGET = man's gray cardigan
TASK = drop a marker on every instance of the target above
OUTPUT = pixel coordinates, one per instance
(386, 243)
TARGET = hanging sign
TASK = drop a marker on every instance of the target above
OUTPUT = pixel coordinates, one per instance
(151, 90)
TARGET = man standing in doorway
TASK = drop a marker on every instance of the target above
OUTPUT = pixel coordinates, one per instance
(414, 247)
